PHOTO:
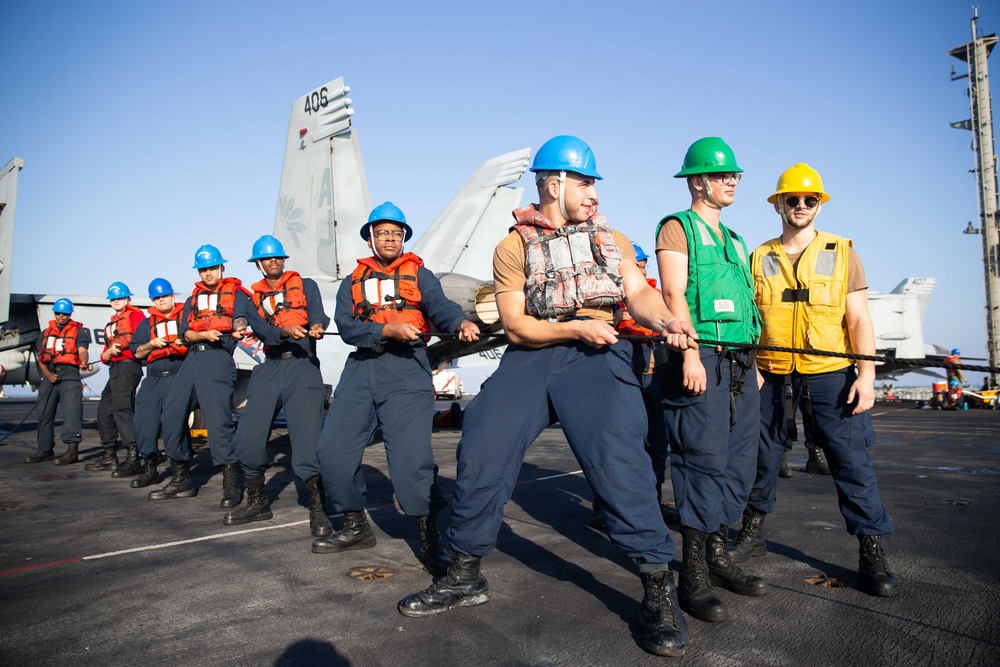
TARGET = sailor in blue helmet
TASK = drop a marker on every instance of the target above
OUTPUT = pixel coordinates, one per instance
(61, 355)
(387, 309)
(211, 331)
(565, 358)
(116, 409)
(158, 345)
(711, 402)
(286, 314)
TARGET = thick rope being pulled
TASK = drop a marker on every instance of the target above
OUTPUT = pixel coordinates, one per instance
(917, 363)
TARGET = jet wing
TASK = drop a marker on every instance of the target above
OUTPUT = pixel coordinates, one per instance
(462, 238)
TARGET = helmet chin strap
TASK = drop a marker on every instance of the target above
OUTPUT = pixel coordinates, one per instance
(708, 191)
(562, 195)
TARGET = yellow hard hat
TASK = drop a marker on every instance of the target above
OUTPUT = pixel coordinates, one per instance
(800, 178)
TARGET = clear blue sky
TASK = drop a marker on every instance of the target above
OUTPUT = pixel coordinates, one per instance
(148, 129)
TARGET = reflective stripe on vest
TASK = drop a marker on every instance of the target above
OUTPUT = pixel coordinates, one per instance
(803, 306)
(59, 347)
(388, 295)
(166, 327)
(719, 291)
(213, 309)
(283, 306)
(119, 330)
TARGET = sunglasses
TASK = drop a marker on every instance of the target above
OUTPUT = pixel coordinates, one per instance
(793, 201)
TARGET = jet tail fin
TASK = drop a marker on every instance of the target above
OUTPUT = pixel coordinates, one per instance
(323, 198)
(462, 238)
(8, 206)
(919, 287)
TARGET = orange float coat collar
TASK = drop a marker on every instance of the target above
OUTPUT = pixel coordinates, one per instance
(120, 330)
(285, 304)
(59, 346)
(388, 295)
(213, 309)
(166, 327)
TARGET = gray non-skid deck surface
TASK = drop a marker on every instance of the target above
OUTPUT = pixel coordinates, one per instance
(195, 592)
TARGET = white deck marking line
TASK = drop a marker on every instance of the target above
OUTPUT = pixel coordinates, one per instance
(218, 536)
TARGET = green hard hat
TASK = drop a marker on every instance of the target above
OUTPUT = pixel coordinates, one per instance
(710, 155)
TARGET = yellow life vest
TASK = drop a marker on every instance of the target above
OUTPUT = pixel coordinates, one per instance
(803, 307)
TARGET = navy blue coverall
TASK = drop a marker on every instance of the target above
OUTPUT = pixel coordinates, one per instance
(713, 438)
(206, 379)
(68, 392)
(289, 378)
(390, 386)
(597, 399)
(151, 397)
(844, 437)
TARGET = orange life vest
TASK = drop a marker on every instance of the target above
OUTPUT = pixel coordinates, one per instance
(388, 295)
(59, 347)
(213, 309)
(119, 330)
(284, 305)
(629, 327)
(166, 327)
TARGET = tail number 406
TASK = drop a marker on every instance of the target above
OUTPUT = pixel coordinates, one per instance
(316, 100)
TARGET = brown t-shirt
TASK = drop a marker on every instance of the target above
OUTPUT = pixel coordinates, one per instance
(672, 237)
(508, 270)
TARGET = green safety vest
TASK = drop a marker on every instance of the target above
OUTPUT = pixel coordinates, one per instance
(719, 292)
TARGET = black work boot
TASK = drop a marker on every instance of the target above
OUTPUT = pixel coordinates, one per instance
(725, 573)
(874, 574)
(463, 586)
(816, 464)
(40, 456)
(664, 630)
(258, 508)
(697, 597)
(319, 521)
(149, 474)
(597, 514)
(432, 554)
(357, 533)
(132, 465)
(231, 495)
(71, 455)
(750, 541)
(108, 460)
(180, 484)
(785, 470)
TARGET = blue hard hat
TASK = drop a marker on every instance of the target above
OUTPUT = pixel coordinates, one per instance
(639, 254)
(62, 306)
(956, 351)
(566, 153)
(267, 246)
(118, 290)
(160, 287)
(207, 256)
(386, 212)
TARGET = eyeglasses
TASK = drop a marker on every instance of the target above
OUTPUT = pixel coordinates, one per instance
(793, 201)
(383, 234)
(728, 178)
